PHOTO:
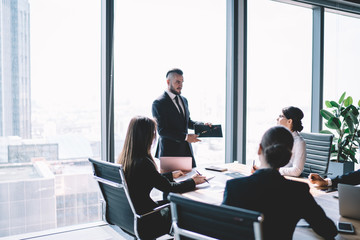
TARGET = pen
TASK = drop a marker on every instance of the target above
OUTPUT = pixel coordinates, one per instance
(201, 175)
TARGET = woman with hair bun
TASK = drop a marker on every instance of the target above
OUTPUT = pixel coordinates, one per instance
(291, 119)
(283, 202)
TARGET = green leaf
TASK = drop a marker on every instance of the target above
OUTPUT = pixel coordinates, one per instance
(349, 152)
(326, 114)
(327, 104)
(343, 157)
(333, 148)
(359, 103)
(334, 104)
(354, 110)
(350, 124)
(333, 123)
(344, 143)
(348, 101)
(345, 111)
(353, 158)
(353, 117)
(342, 97)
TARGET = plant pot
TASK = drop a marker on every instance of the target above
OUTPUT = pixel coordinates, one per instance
(340, 168)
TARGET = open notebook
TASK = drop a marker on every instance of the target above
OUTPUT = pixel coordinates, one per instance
(193, 172)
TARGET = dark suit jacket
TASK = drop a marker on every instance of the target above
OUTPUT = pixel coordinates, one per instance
(144, 177)
(352, 178)
(141, 180)
(283, 203)
(172, 128)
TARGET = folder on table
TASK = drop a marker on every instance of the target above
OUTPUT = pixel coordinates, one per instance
(207, 131)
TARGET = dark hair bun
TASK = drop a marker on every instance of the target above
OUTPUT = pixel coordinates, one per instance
(296, 115)
(277, 155)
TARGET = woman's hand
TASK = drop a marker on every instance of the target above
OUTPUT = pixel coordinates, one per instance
(177, 173)
(198, 179)
(314, 178)
(254, 168)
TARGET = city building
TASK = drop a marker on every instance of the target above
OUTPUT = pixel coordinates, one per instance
(15, 84)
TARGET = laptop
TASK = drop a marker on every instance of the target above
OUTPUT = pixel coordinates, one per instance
(349, 200)
(169, 164)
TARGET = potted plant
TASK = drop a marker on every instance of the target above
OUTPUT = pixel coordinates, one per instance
(342, 120)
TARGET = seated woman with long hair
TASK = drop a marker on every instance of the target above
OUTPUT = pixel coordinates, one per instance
(283, 202)
(142, 176)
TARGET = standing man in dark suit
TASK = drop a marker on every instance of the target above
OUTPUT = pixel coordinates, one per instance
(172, 114)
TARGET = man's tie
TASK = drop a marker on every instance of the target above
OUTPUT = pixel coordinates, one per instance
(180, 109)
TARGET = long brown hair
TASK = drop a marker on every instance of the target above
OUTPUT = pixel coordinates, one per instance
(139, 138)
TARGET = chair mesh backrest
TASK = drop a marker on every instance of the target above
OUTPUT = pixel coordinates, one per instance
(118, 209)
(220, 222)
(318, 147)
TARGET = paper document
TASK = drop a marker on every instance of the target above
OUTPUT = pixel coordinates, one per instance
(190, 174)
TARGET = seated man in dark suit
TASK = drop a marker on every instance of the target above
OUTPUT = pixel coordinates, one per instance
(283, 202)
(172, 114)
(351, 178)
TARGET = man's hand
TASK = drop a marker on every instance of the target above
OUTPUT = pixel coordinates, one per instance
(192, 138)
(208, 124)
(316, 179)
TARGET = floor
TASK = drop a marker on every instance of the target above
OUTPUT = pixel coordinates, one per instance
(93, 231)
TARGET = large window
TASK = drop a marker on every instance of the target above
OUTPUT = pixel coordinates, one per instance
(279, 66)
(151, 37)
(50, 108)
(341, 57)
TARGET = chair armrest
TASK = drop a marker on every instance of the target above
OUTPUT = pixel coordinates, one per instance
(155, 210)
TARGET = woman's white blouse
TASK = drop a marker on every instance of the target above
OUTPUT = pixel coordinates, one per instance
(296, 164)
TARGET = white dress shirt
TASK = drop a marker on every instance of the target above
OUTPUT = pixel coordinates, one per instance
(172, 96)
(296, 164)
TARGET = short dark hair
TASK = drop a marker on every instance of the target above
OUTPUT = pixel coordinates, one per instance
(174, 70)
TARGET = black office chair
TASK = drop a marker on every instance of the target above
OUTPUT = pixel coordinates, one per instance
(318, 148)
(118, 208)
(202, 221)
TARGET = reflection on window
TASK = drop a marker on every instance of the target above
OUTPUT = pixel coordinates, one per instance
(152, 37)
(279, 66)
(50, 114)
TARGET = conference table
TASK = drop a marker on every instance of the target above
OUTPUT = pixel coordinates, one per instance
(213, 191)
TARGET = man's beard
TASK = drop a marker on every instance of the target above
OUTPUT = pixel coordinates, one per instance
(172, 89)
